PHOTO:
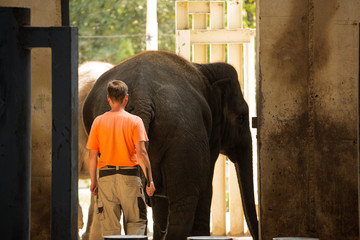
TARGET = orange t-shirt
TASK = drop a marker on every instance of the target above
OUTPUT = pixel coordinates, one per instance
(114, 135)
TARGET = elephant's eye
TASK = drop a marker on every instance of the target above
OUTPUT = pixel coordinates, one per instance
(241, 119)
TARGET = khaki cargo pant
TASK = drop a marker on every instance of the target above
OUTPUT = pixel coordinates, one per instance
(121, 193)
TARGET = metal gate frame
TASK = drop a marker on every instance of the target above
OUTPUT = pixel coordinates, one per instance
(17, 39)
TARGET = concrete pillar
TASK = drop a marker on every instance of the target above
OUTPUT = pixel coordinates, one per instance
(307, 118)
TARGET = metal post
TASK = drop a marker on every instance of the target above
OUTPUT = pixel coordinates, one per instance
(65, 18)
(358, 140)
(65, 134)
(64, 183)
(15, 116)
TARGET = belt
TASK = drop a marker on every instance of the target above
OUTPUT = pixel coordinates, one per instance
(122, 171)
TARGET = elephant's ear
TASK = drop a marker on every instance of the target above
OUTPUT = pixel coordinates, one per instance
(217, 73)
(221, 85)
(221, 82)
(220, 93)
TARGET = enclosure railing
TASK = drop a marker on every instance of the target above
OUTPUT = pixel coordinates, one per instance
(202, 36)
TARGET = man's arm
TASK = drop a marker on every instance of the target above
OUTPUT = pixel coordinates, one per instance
(93, 154)
(143, 160)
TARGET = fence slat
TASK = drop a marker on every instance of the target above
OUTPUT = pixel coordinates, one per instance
(199, 53)
(181, 15)
(234, 13)
(199, 7)
(217, 13)
(237, 222)
(223, 36)
(218, 204)
(217, 54)
(183, 43)
(235, 58)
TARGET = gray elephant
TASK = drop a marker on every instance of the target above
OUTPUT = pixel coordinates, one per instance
(192, 112)
(89, 72)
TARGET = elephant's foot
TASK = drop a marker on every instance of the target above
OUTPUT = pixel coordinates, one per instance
(85, 236)
(91, 213)
(160, 214)
(181, 218)
(80, 217)
(200, 232)
(201, 225)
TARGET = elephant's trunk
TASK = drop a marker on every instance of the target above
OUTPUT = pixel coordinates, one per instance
(244, 170)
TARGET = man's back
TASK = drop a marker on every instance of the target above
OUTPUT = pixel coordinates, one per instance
(114, 135)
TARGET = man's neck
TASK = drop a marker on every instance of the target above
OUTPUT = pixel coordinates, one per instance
(117, 109)
(117, 106)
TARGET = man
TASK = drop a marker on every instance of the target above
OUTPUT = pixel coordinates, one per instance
(120, 138)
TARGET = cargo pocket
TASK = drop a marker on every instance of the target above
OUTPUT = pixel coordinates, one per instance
(142, 208)
(100, 210)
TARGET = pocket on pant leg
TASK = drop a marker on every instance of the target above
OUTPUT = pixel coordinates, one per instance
(142, 208)
(100, 210)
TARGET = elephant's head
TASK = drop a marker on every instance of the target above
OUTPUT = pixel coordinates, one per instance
(231, 131)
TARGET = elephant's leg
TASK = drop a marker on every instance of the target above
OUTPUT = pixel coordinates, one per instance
(181, 217)
(201, 225)
(80, 217)
(160, 207)
(95, 228)
(86, 234)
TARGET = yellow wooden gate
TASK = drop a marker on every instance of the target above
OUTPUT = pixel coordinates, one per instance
(202, 37)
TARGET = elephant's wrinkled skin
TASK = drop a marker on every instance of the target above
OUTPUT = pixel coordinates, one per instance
(192, 112)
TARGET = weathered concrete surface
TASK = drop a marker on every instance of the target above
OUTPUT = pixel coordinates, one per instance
(43, 13)
(307, 113)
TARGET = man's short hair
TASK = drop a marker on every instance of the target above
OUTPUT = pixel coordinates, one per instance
(117, 90)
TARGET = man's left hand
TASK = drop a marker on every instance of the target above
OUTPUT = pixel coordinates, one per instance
(150, 189)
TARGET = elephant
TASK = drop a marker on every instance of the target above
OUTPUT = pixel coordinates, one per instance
(192, 113)
(89, 72)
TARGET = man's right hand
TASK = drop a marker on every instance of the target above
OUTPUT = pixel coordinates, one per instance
(93, 157)
(94, 188)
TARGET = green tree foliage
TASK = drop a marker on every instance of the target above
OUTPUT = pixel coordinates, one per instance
(109, 30)
(249, 19)
(166, 24)
(112, 30)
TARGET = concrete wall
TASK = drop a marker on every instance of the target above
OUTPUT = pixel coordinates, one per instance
(307, 111)
(43, 13)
